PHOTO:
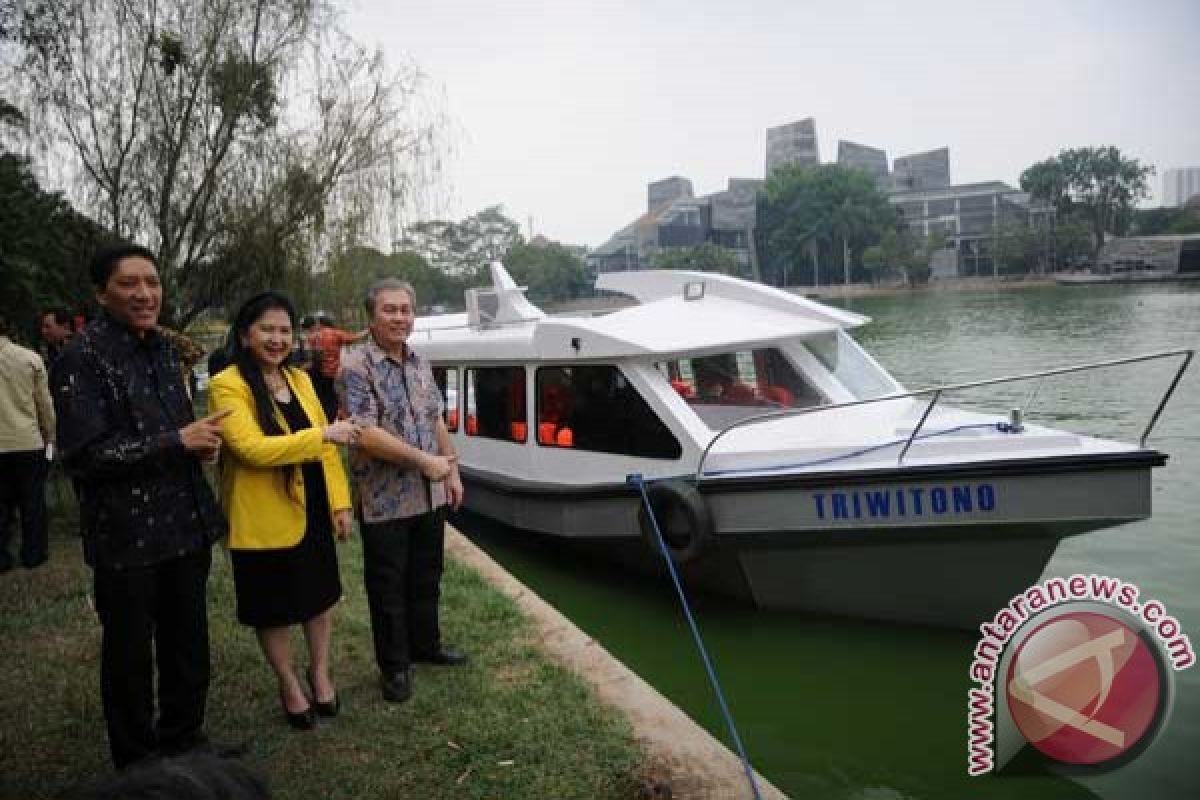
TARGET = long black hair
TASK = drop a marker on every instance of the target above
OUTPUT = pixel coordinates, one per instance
(243, 359)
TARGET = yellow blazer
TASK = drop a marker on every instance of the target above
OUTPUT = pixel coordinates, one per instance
(263, 514)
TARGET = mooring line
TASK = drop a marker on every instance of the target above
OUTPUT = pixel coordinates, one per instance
(637, 480)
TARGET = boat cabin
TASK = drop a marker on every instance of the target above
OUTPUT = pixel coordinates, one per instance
(651, 382)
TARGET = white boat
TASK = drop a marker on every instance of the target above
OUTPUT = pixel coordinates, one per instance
(786, 466)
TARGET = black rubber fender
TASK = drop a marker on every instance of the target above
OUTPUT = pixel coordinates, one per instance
(683, 517)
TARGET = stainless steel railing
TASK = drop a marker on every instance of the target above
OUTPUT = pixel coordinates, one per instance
(938, 391)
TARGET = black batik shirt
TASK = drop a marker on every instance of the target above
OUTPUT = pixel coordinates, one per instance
(120, 403)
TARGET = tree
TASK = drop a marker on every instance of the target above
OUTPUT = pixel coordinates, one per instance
(917, 255)
(1158, 221)
(463, 250)
(550, 272)
(1070, 242)
(44, 248)
(1187, 222)
(1017, 248)
(830, 210)
(874, 262)
(343, 287)
(707, 257)
(1096, 184)
(222, 131)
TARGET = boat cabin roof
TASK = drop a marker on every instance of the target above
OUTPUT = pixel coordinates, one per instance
(677, 312)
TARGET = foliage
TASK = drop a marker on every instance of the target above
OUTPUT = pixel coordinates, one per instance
(228, 134)
(1096, 184)
(1186, 223)
(463, 250)
(1158, 221)
(901, 254)
(44, 248)
(443, 258)
(707, 257)
(830, 210)
(343, 287)
(1071, 243)
(551, 272)
(918, 255)
(874, 262)
(1018, 248)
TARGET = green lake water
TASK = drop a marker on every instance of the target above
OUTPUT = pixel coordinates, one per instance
(836, 708)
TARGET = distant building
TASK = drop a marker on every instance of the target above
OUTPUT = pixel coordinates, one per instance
(930, 170)
(968, 216)
(919, 187)
(732, 216)
(724, 218)
(1180, 185)
(870, 160)
(794, 143)
(1168, 253)
(667, 190)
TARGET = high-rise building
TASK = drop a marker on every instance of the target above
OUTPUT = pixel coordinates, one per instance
(1180, 185)
(794, 143)
(929, 170)
(870, 160)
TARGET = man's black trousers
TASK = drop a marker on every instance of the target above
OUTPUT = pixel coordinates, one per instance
(23, 488)
(402, 570)
(154, 613)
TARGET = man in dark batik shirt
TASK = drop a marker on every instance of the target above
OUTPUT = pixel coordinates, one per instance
(128, 436)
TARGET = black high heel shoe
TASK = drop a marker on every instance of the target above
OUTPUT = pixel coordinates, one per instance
(327, 710)
(304, 720)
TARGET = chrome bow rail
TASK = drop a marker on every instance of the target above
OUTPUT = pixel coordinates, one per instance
(938, 391)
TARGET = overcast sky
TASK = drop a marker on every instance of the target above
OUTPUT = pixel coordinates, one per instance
(564, 110)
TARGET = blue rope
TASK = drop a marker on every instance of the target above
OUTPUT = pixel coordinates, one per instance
(1004, 427)
(637, 480)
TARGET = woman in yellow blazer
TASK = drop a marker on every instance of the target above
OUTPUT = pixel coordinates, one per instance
(286, 495)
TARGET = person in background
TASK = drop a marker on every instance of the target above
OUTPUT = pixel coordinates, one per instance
(302, 354)
(127, 434)
(56, 329)
(190, 354)
(286, 496)
(26, 429)
(326, 342)
(404, 477)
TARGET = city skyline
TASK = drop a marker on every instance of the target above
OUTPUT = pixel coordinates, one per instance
(565, 112)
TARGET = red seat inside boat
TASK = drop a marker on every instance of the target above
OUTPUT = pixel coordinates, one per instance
(778, 395)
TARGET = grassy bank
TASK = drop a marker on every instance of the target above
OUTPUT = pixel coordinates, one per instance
(509, 725)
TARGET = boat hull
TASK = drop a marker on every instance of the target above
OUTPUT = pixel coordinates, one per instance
(942, 545)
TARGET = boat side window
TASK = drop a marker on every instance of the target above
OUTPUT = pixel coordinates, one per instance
(842, 356)
(447, 383)
(725, 387)
(596, 408)
(496, 403)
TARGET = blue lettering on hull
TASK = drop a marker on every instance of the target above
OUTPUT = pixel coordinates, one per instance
(937, 501)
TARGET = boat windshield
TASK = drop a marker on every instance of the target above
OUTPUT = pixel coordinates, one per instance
(852, 367)
(723, 388)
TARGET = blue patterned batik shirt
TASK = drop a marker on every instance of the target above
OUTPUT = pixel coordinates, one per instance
(403, 399)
